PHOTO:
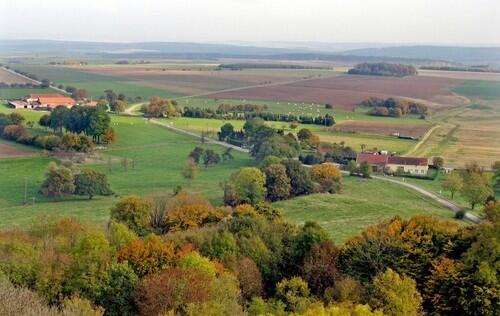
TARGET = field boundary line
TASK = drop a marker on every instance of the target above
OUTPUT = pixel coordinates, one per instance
(33, 80)
(423, 140)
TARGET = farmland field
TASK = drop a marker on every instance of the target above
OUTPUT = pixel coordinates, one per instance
(9, 77)
(11, 150)
(348, 91)
(361, 203)
(16, 93)
(461, 75)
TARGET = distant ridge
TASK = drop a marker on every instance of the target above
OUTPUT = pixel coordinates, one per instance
(449, 53)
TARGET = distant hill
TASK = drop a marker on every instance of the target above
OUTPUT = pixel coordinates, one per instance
(449, 53)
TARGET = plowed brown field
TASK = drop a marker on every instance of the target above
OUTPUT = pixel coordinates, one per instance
(348, 91)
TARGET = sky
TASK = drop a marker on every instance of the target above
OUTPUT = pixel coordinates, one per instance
(374, 21)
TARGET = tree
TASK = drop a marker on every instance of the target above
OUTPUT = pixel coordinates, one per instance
(365, 169)
(304, 134)
(226, 131)
(99, 121)
(476, 188)
(321, 268)
(396, 295)
(134, 211)
(45, 83)
(118, 106)
(159, 107)
(496, 175)
(452, 183)
(250, 278)
(117, 293)
(210, 157)
(190, 169)
(58, 117)
(352, 166)
(277, 182)
(147, 256)
(59, 182)
(226, 156)
(80, 94)
(246, 185)
(196, 154)
(294, 293)
(438, 162)
(109, 136)
(90, 182)
(328, 176)
(220, 245)
(188, 210)
(300, 179)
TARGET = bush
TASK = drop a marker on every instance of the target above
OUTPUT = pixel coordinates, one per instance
(460, 214)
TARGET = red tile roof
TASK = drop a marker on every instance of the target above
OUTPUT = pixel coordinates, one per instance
(373, 159)
(409, 161)
(52, 102)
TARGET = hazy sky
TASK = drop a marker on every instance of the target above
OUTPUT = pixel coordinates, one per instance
(398, 21)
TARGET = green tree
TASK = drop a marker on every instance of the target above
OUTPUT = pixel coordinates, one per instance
(196, 154)
(116, 294)
(134, 211)
(277, 182)
(210, 157)
(396, 295)
(452, 183)
(352, 166)
(294, 293)
(91, 183)
(58, 118)
(99, 121)
(365, 169)
(220, 245)
(246, 185)
(476, 188)
(226, 131)
(118, 106)
(59, 182)
(299, 176)
(304, 134)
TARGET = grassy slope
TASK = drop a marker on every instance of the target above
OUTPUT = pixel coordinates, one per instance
(363, 202)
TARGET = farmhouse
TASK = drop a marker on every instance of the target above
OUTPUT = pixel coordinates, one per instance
(394, 164)
(42, 101)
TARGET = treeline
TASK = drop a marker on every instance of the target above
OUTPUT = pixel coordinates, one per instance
(383, 69)
(12, 128)
(93, 121)
(480, 68)
(393, 107)
(177, 254)
(14, 85)
(196, 112)
(241, 66)
(338, 153)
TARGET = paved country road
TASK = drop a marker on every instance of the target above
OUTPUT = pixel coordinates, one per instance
(440, 200)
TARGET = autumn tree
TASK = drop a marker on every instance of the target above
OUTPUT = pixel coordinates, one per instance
(250, 278)
(159, 107)
(396, 295)
(188, 210)
(134, 211)
(58, 183)
(453, 183)
(147, 256)
(90, 182)
(321, 267)
(365, 169)
(277, 182)
(438, 162)
(328, 177)
(190, 169)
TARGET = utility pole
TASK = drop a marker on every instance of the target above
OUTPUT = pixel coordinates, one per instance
(25, 190)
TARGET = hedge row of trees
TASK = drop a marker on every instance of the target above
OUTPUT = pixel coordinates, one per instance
(91, 121)
(15, 85)
(179, 255)
(12, 128)
(393, 107)
(196, 112)
(383, 69)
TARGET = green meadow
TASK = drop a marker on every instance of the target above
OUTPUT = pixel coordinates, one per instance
(479, 88)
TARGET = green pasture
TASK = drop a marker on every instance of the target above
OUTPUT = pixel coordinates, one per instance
(17, 93)
(478, 88)
(362, 202)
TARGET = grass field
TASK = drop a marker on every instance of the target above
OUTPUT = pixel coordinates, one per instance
(17, 93)
(362, 202)
(479, 88)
